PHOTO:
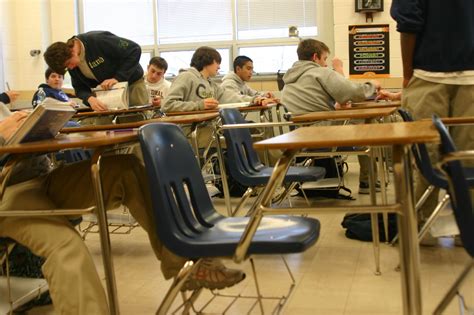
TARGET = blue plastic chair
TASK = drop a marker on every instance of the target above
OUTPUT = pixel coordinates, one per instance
(433, 176)
(458, 189)
(185, 218)
(244, 165)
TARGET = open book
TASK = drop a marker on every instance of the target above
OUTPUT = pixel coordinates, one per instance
(115, 98)
(44, 122)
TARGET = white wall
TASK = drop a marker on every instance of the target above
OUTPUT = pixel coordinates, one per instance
(35, 24)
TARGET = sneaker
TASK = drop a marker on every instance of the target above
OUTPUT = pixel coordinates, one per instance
(212, 274)
(365, 189)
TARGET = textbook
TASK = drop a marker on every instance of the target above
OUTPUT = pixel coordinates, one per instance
(114, 98)
(234, 105)
(44, 122)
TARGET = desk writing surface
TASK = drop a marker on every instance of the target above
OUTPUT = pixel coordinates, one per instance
(131, 110)
(345, 114)
(180, 119)
(375, 104)
(76, 140)
(216, 110)
(353, 135)
(467, 120)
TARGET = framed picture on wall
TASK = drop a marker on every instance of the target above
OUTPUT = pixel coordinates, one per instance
(368, 5)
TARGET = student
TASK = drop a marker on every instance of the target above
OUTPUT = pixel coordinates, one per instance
(438, 70)
(52, 87)
(74, 284)
(236, 81)
(310, 86)
(99, 58)
(156, 84)
(193, 89)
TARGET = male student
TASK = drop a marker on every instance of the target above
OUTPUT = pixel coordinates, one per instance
(438, 69)
(193, 89)
(74, 284)
(156, 84)
(52, 87)
(311, 86)
(236, 81)
(99, 58)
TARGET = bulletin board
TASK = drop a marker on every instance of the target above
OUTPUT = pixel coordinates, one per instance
(369, 51)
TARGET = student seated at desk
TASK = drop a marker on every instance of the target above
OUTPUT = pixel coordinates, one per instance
(99, 58)
(236, 81)
(74, 284)
(193, 89)
(310, 86)
(52, 88)
(156, 84)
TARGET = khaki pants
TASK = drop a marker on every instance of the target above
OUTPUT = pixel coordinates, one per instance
(137, 93)
(423, 99)
(74, 284)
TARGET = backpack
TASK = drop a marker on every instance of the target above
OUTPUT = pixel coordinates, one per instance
(334, 169)
(358, 226)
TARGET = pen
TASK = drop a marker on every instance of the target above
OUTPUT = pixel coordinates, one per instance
(8, 86)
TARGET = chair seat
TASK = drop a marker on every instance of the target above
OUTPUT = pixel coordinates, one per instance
(275, 235)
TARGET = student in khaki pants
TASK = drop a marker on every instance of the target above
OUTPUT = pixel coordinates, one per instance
(69, 270)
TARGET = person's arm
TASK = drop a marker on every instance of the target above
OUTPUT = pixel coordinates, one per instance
(387, 95)
(9, 97)
(408, 42)
(225, 96)
(343, 90)
(10, 124)
(338, 66)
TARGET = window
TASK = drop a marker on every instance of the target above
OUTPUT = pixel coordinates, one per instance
(271, 18)
(132, 19)
(194, 21)
(182, 59)
(173, 29)
(270, 59)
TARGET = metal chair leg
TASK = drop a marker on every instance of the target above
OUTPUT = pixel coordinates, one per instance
(454, 289)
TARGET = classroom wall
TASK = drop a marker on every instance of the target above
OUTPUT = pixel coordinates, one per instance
(34, 24)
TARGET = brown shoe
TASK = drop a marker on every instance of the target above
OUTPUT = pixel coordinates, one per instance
(212, 274)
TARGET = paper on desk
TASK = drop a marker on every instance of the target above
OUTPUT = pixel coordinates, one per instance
(234, 105)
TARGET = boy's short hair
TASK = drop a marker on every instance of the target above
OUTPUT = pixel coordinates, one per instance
(50, 71)
(204, 56)
(308, 47)
(159, 63)
(57, 54)
(240, 62)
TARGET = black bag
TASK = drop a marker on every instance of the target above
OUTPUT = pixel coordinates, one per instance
(358, 226)
(333, 170)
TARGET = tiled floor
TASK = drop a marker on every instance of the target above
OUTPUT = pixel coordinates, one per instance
(334, 277)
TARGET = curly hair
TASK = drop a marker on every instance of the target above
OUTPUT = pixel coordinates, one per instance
(57, 54)
(204, 56)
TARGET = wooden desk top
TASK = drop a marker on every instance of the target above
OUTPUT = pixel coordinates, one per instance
(374, 104)
(468, 120)
(346, 114)
(353, 135)
(180, 119)
(76, 140)
(131, 110)
(216, 110)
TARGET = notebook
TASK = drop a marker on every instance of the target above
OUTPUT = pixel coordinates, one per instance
(234, 105)
(114, 98)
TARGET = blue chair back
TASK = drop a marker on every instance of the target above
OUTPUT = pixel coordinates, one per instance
(458, 189)
(423, 161)
(182, 206)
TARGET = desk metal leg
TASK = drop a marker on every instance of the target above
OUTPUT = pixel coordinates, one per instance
(407, 226)
(104, 235)
(374, 222)
(383, 188)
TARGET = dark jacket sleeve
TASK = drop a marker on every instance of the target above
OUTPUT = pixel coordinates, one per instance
(82, 90)
(409, 14)
(4, 98)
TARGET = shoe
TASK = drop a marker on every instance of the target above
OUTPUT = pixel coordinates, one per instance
(365, 189)
(213, 275)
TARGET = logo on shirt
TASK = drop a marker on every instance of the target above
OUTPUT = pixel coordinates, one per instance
(95, 63)
(202, 92)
